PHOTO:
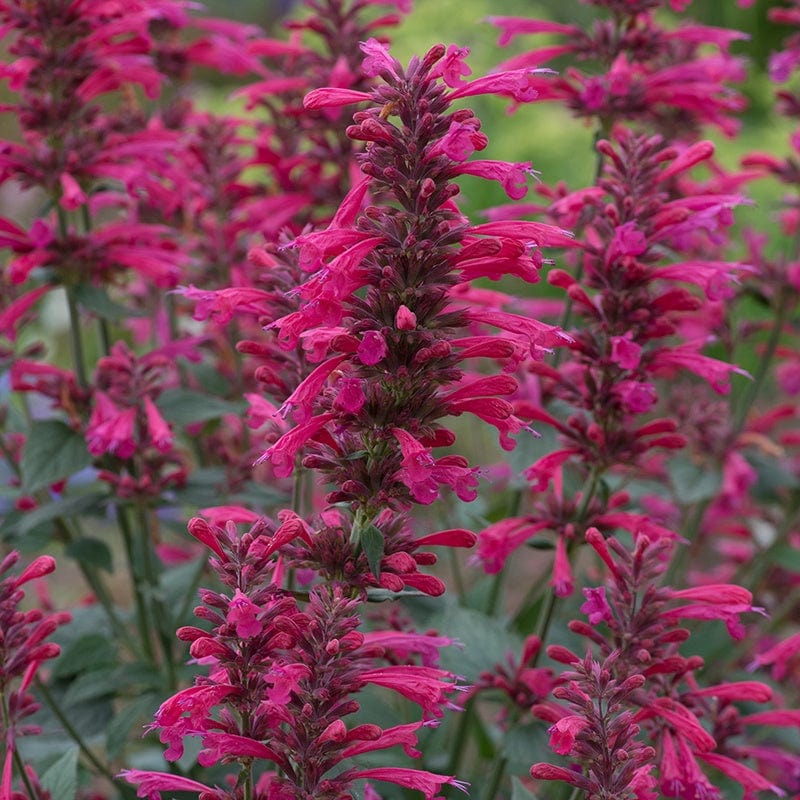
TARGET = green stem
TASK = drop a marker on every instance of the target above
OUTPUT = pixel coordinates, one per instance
(91, 577)
(540, 587)
(495, 778)
(691, 529)
(573, 795)
(53, 705)
(158, 613)
(95, 583)
(765, 362)
(458, 577)
(495, 592)
(105, 335)
(142, 621)
(459, 740)
(75, 338)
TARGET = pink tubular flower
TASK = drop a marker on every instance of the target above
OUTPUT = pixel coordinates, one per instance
(563, 733)
(499, 540)
(282, 453)
(243, 614)
(428, 783)
(401, 368)
(151, 784)
(425, 686)
(23, 633)
(561, 579)
(778, 656)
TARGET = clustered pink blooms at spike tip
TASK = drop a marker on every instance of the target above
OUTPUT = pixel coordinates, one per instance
(394, 354)
(632, 311)
(336, 327)
(644, 683)
(635, 69)
(23, 650)
(282, 679)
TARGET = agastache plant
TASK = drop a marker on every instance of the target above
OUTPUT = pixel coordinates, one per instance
(276, 316)
(368, 416)
(282, 680)
(24, 648)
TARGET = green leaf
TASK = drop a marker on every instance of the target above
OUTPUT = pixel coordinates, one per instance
(772, 477)
(91, 551)
(183, 406)
(786, 557)
(52, 451)
(519, 791)
(140, 710)
(92, 651)
(485, 641)
(61, 779)
(693, 482)
(375, 595)
(372, 542)
(74, 506)
(90, 686)
(97, 300)
(519, 742)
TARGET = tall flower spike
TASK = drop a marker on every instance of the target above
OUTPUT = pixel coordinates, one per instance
(382, 293)
(632, 68)
(23, 648)
(283, 682)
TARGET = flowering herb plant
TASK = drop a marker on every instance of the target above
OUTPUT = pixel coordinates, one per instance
(358, 488)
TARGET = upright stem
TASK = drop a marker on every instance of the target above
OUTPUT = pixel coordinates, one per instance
(11, 743)
(75, 337)
(765, 362)
(72, 731)
(536, 591)
(142, 621)
(158, 612)
(690, 530)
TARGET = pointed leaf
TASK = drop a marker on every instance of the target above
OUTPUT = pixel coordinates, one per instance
(52, 451)
(97, 300)
(61, 779)
(91, 551)
(372, 543)
(184, 406)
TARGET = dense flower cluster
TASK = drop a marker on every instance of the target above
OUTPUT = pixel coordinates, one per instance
(281, 681)
(23, 650)
(278, 321)
(636, 69)
(645, 682)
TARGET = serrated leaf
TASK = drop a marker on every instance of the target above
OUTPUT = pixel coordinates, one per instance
(184, 406)
(372, 543)
(117, 733)
(61, 779)
(74, 506)
(97, 300)
(693, 482)
(92, 651)
(52, 451)
(91, 551)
